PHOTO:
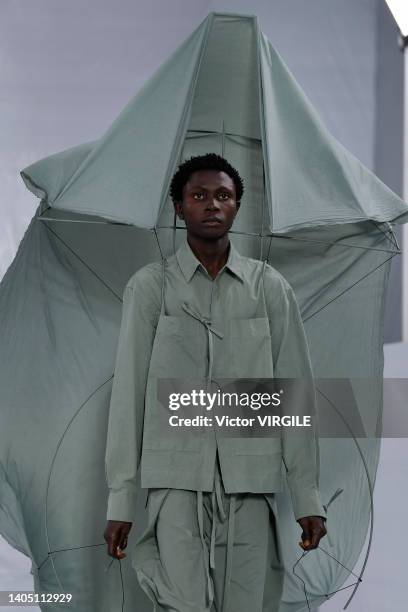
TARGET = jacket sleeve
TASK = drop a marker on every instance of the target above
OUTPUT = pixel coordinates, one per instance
(126, 412)
(291, 358)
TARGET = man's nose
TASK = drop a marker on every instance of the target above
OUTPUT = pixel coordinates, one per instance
(213, 203)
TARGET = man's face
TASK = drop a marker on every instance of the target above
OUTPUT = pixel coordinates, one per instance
(209, 204)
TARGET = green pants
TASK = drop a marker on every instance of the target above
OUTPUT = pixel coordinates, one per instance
(209, 551)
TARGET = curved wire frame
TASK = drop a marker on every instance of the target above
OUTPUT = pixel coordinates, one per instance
(326, 595)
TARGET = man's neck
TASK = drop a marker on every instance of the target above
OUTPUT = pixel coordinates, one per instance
(212, 254)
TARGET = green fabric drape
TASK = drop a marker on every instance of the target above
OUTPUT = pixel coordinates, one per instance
(310, 208)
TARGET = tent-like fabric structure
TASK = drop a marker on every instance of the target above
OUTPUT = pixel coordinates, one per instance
(310, 208)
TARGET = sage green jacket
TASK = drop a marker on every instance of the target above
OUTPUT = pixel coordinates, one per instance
(167, 321)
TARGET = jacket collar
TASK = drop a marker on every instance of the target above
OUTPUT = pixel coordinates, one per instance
(188, 262)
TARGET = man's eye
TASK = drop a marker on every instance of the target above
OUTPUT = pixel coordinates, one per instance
(224, 195)
(198, 196)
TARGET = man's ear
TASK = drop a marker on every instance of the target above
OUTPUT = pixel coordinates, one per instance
(178, 207)
(238, 204)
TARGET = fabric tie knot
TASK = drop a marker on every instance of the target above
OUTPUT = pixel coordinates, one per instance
(206, 322)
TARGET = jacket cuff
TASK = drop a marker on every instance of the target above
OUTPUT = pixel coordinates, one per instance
(122, 505)
(307, 502)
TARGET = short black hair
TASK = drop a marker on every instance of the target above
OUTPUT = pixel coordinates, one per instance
(210, 161)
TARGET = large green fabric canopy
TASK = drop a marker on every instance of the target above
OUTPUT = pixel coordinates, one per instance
(310, 208)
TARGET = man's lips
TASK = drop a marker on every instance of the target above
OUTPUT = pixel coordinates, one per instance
(212, 220)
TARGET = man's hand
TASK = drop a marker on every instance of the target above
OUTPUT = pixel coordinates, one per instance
(115, 536)
(313, 530)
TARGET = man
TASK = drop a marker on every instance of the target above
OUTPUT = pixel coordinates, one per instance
(208, 312)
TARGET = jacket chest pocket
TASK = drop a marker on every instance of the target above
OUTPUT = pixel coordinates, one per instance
(178, 353)
(179, 348)
(245, 351)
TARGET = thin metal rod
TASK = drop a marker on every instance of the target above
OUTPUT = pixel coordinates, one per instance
(338, 243)
(84, 263)
(262, 215)
(336, 297)
(287, 237)
(192, 134)
(393, 240)
(73, 417)
(258, 234)
(41, 218)
(370, 491)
